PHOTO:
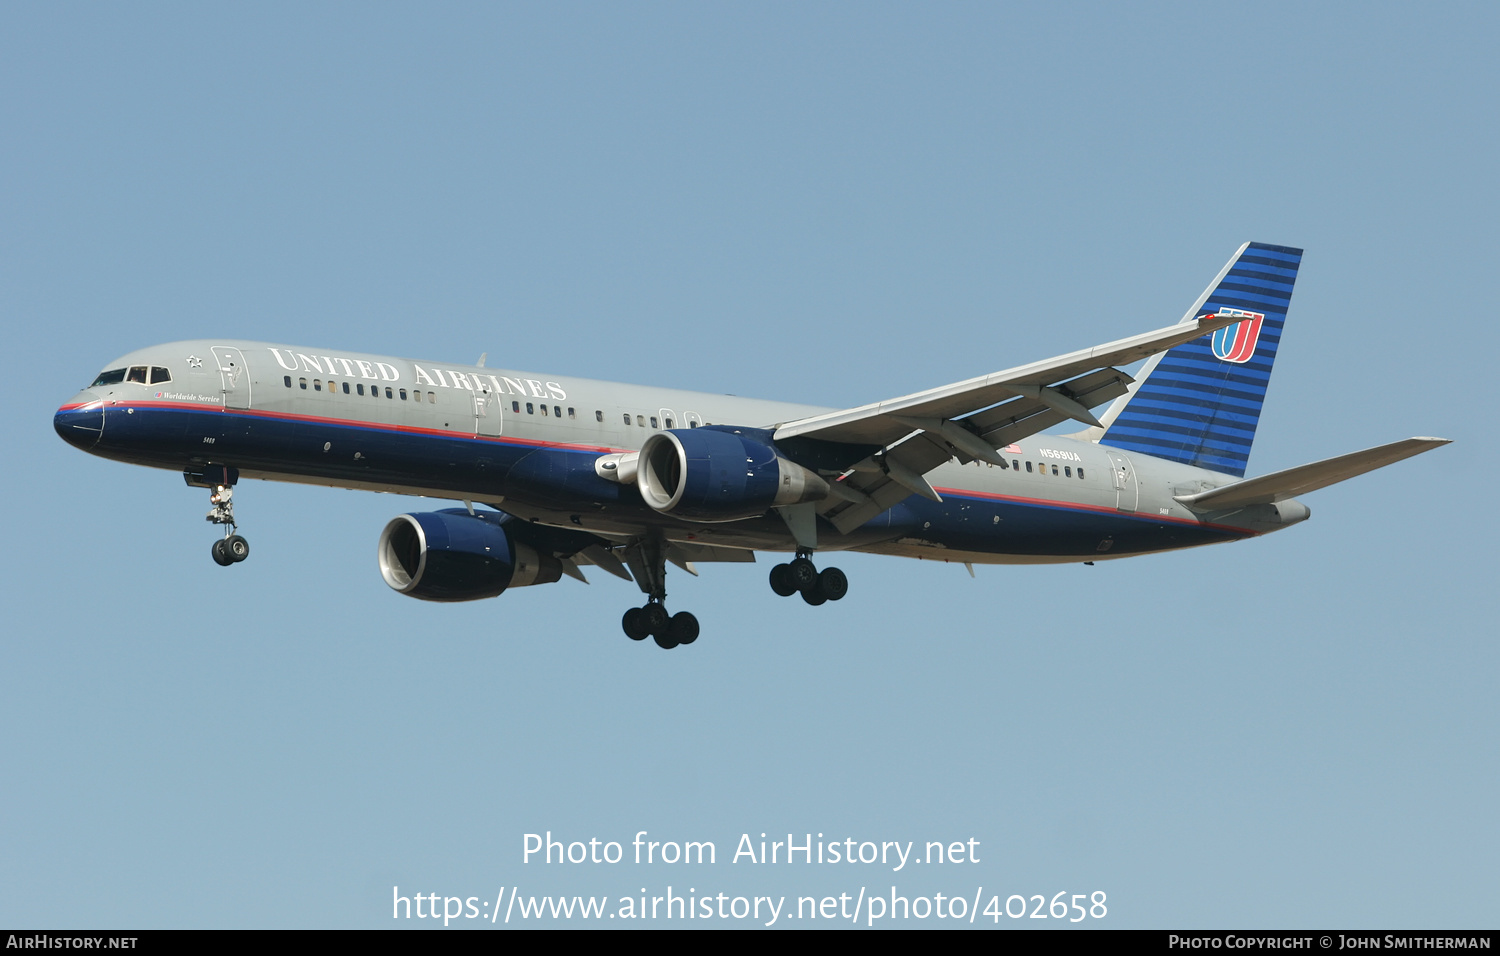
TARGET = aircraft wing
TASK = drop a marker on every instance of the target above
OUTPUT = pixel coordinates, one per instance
(884, 422)
(971, 419)
(1281, 485)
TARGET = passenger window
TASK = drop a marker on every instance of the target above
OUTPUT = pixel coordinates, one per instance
(137, 374)
(544, 411)
(288, 380)
(1015, 464)
(160, 375)
(571, 412)
(1054, 471)
(653, 421)
(113, 377)
(1028, 468)
(1067, 472)
(692, 424)
(640, 421)
(317, 385)
(599, 415)
(403, 394)
(557, 411)
(302, 384)
(1080, 471)
(431, 398)
(530, 409)
(627, 418)
(388, 393)
(346, 388)
(515, 407)
(669, 423)
(360, 388)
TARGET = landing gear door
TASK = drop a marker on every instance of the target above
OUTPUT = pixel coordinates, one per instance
(1127, 490)
(234, 375)
(487, 413)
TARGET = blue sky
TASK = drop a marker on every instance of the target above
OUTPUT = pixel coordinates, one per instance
(828, 203)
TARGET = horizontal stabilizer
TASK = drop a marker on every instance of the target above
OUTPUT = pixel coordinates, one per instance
(1278, 486)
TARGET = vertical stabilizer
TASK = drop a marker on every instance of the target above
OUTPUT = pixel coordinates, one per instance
(1199, 403)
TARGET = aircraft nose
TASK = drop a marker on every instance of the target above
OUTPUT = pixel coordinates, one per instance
(80, 422)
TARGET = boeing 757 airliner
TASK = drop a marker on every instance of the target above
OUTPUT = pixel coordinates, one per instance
(629, 478)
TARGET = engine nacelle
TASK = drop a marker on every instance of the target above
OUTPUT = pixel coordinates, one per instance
(708, 474)
(453, 555)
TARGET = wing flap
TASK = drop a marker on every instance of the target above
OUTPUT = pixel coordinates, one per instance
(1023, 417)
(886, 479)
(602, 557)
(690, 552)
(1280, 485)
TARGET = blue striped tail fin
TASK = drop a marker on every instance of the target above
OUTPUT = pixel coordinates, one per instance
(1199, 403)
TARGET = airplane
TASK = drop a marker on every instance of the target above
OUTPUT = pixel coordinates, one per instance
(630, 478)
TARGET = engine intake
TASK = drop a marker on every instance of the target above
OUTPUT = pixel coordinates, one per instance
(452, 555)
(709, 474)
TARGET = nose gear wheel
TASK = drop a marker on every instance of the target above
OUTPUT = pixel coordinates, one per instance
(232, 548)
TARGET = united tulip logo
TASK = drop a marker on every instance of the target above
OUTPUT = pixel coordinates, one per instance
(1236, 343)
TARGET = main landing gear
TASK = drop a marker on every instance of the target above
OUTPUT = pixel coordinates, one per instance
(230, 549)
(799, 575)
(652, 620)
(648, 562)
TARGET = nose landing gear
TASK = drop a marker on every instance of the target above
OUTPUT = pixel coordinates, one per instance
(230, 549)
(801, 576)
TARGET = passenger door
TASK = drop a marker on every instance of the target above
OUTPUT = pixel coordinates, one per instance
(234, 375)
(487, 412)
(1127, 490)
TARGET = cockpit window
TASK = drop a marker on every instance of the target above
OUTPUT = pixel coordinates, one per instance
(113, 377)
(159, 375)
(137, 374)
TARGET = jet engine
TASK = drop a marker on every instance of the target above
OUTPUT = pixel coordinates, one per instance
(452, 555)
(712, 474)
